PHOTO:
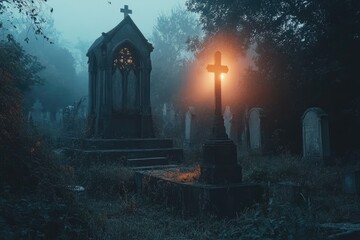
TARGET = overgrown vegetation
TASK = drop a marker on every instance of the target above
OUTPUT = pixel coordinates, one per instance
(117, 211)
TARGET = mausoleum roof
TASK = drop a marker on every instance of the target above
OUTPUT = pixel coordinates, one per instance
(109, 35)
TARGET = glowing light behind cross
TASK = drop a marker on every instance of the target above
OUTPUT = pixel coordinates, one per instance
(218, 132)
(217, 69)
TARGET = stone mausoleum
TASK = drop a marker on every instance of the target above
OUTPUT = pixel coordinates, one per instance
(119, 83)
(120, 127)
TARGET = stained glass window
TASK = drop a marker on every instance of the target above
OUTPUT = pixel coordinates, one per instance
(124, 60)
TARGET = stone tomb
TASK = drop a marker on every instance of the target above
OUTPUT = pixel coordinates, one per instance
(120, 125)
(119, 83)
(217, 188)
(315, 130)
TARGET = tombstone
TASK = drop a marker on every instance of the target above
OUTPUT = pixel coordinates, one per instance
(315, 130)
(190, 125)
(59, 118)
(119, 83)
(47, 118)
(351, 182)
(243, 130)
(257, 130)
(164, 110)
(228, 116)
(37, 112)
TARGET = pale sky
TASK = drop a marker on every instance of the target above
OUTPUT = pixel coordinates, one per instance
(87, 19)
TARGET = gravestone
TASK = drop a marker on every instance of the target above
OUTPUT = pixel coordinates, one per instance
(244, 138)
(257, 129)
(164, 110)
(189, 125)
(168, 121)
(315, 130)
(59, 118)
(228, 116)
(351, 182)
(37, 112)
(47, 118)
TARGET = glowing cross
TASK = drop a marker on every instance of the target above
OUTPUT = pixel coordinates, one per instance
(217, 69)
(126, 11)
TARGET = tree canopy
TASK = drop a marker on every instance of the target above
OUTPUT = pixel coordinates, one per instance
(307, 56)
(33, 11)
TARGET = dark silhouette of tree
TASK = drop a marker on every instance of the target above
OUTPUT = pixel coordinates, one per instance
(18, 72)
(171, 54)
(307, 51)
(32, 11)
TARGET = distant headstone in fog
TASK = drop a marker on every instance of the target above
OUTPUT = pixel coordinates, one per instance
(351, 182)
(228, 116)
(189, 125)
(59, 118)
(256, 129)
(315, 130)
(37, 112)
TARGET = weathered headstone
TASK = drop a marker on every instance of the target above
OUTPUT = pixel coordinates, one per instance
(228, 116)
(164, 110)
(37, 112)
(47, 118)
(244, 139)
(59, 118)
(315, 129)
(351, 182)
(257, 129)
(189, 125)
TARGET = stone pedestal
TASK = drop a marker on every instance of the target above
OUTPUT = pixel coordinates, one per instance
(219, 164)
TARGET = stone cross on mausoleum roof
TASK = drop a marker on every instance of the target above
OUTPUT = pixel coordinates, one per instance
(126, 11)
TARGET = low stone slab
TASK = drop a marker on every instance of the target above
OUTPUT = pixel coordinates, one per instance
(194, 198)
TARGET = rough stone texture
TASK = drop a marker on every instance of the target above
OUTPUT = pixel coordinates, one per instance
(351, 182)
(119, 84)
(316, 144)
(219, 164)
(197, 198)
(257, 130)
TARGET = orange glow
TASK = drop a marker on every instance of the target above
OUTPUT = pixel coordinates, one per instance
(199, 91)
(222, 76)
(184, 176)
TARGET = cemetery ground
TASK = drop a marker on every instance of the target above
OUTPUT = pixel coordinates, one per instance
(110, 208)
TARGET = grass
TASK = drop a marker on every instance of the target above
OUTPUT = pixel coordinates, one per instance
(115, 211)
(111, 208)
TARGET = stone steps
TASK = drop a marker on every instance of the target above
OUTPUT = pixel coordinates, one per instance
(172, 154)
(144, 162)
(107, 144)
(129, 152)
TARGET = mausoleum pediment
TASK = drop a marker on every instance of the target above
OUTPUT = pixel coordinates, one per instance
(126, 30)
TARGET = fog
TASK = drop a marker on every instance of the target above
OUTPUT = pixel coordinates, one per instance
(86, 19)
